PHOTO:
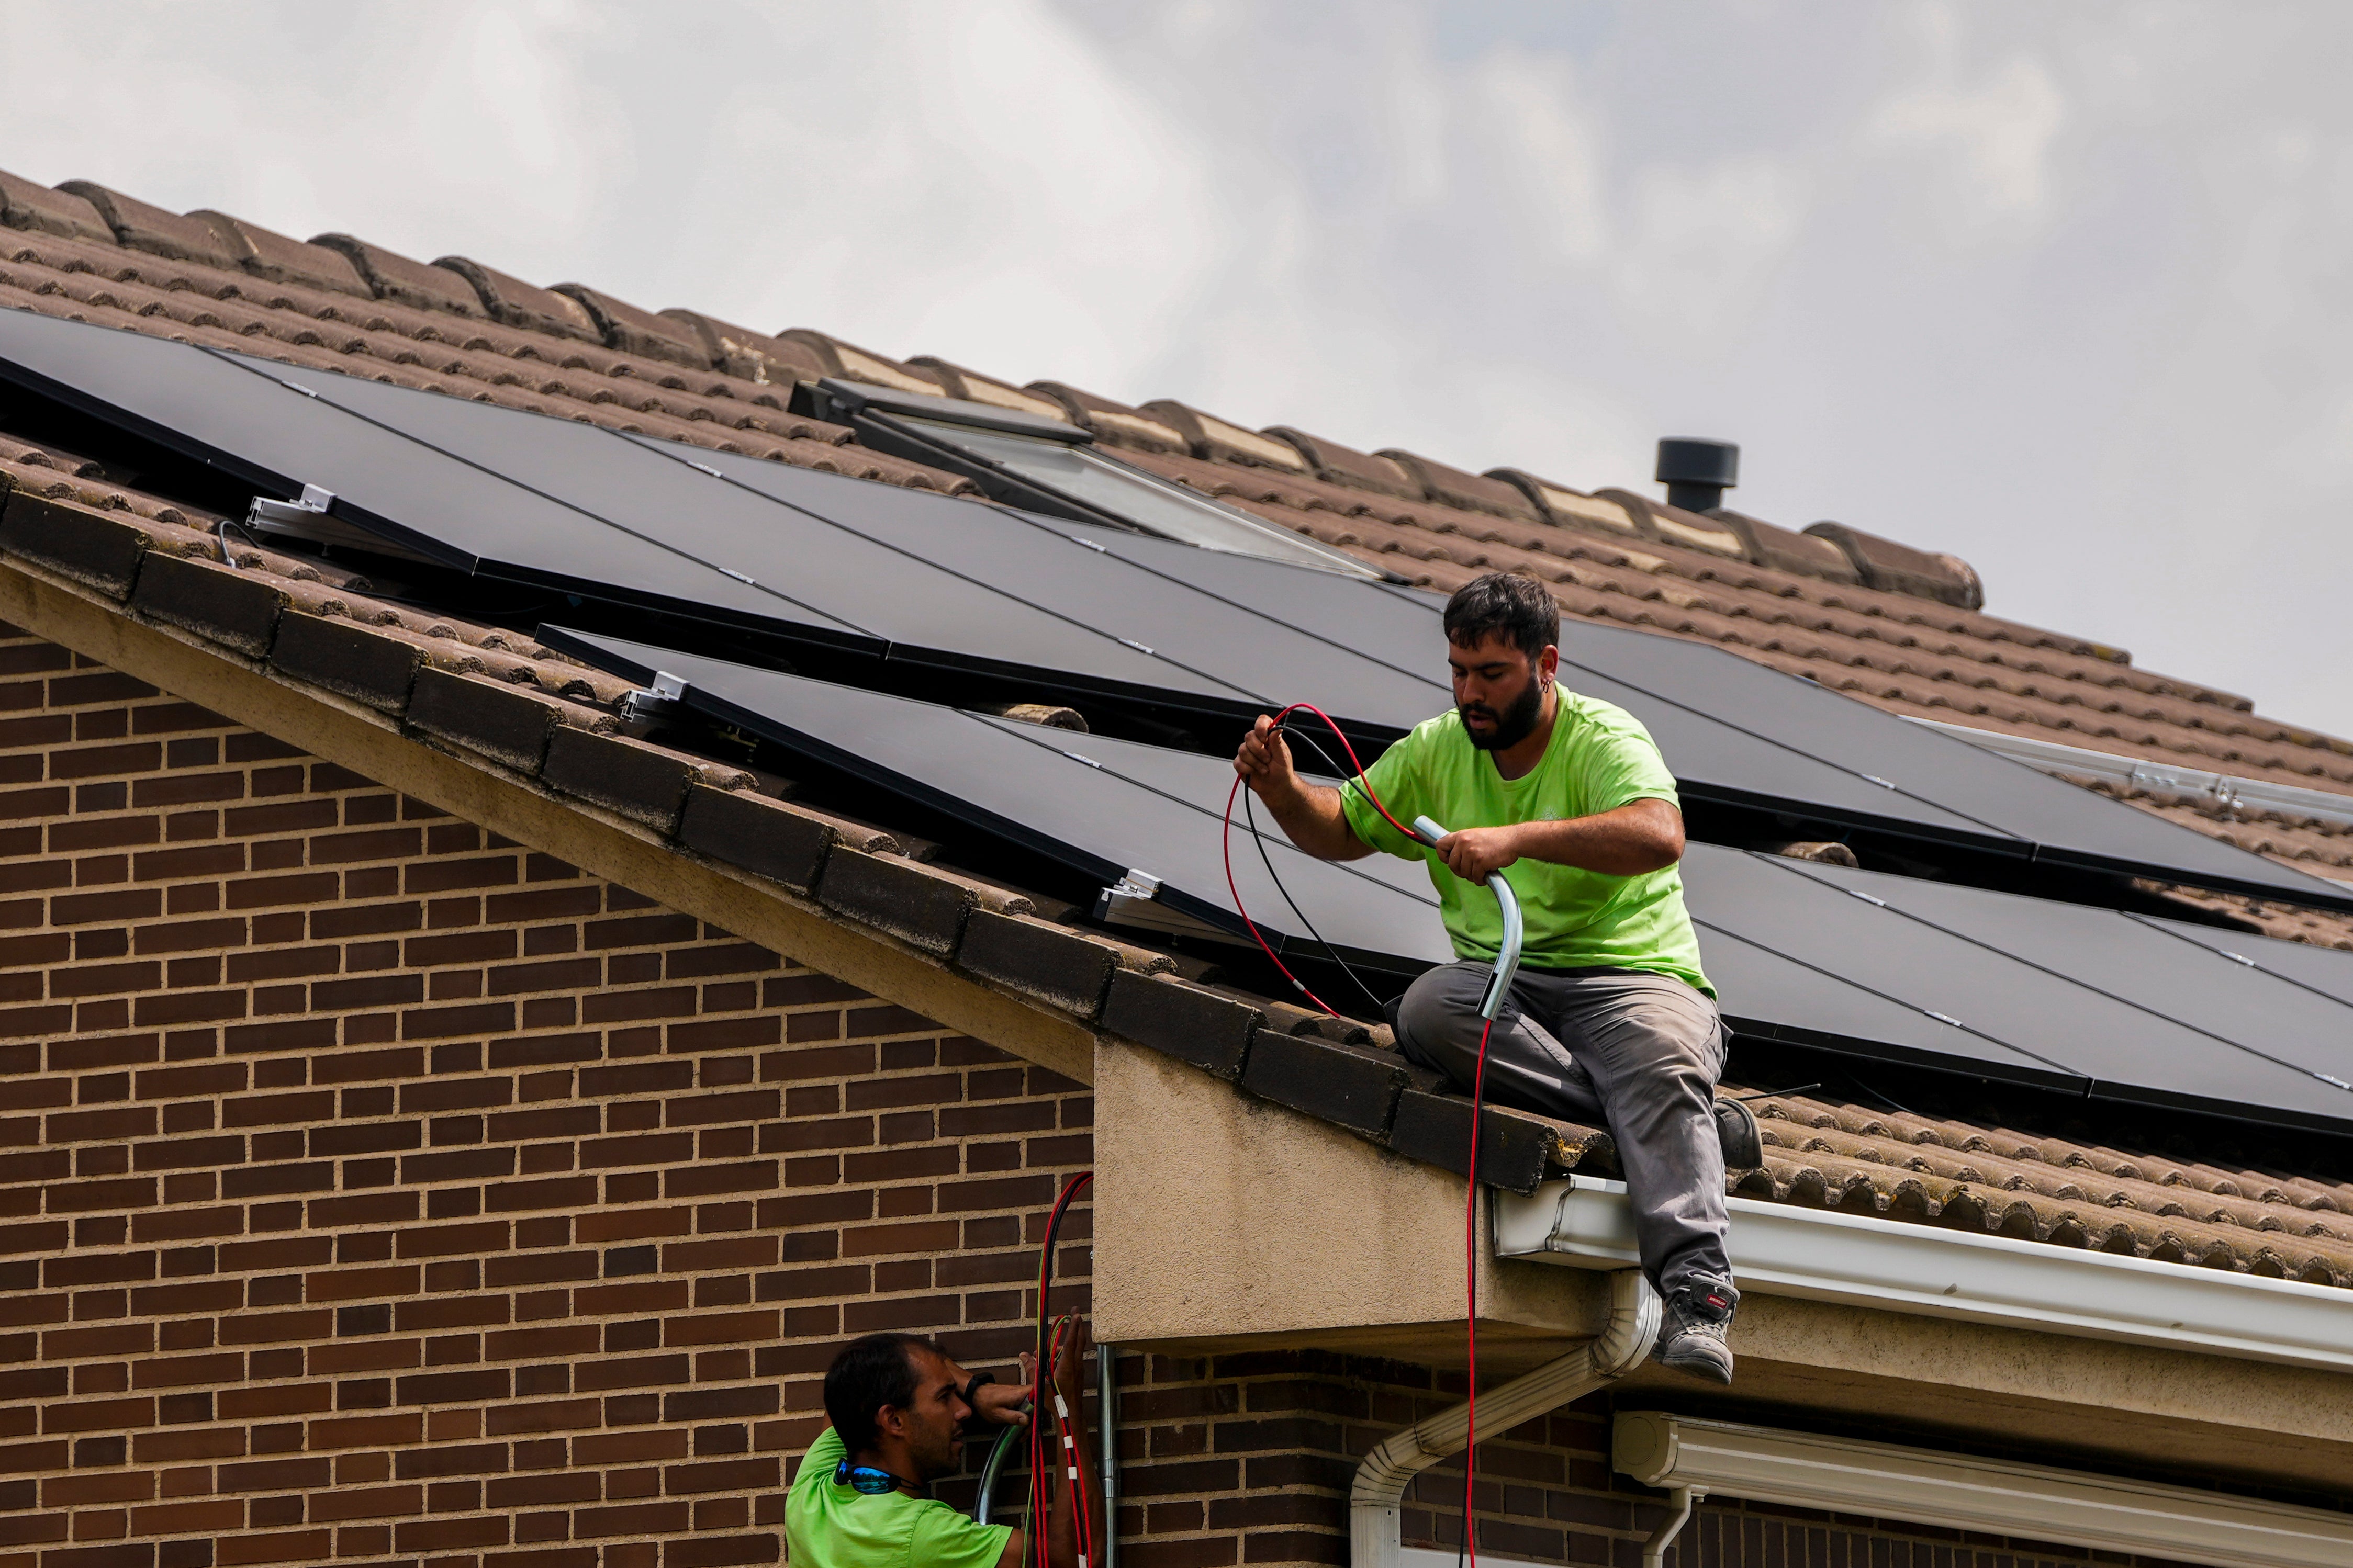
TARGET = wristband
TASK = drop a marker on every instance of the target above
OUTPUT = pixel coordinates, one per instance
(971, 1386)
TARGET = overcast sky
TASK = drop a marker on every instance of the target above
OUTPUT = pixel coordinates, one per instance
(2061, 289)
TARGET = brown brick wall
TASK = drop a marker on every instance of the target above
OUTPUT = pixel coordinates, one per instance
(375, 1189)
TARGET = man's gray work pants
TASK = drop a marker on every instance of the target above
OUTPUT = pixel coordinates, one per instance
(1637, 1053)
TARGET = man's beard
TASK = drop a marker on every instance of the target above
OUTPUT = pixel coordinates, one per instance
(1515, 724)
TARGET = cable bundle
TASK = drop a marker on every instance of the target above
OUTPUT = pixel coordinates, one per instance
(1045, 1395)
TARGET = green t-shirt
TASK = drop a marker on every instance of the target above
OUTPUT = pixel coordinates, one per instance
(827, 1526)
(1600, 757)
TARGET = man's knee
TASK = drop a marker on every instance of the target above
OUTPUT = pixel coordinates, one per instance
(1435, 1006)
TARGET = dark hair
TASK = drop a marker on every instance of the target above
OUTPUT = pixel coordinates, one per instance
(876, 1371)
(1521, 608)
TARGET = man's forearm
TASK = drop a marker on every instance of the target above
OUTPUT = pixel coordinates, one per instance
(1626, 842)
(1311, 817)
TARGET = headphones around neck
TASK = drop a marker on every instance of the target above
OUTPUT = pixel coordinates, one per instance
(868, 1481)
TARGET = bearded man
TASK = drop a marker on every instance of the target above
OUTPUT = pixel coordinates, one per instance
(1610, 1018)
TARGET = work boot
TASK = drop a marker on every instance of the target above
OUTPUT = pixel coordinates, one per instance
(1691, 1339)
(1736, 1129)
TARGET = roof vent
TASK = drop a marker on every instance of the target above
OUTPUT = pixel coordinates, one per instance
(1697, 473)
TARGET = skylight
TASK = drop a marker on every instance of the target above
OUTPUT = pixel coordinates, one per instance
(1044, 465)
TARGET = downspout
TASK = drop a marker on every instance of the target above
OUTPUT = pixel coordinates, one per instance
(1107, 1451)
(1374, 1533)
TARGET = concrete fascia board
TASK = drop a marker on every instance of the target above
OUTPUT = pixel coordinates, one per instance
(1780, 1249)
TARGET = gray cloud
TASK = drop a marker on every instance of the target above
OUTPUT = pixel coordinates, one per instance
(2057, 288)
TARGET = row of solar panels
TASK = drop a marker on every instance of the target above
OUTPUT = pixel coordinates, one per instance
(919, 577)
(2086, 1001)
(2083, 1000)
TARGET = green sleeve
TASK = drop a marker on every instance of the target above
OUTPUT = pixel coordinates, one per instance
(944, 1538)
(1396, 778)
(1624, 765)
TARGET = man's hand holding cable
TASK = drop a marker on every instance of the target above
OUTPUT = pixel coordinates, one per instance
(1310, 815)
(1005, 1405)
(1475, 853)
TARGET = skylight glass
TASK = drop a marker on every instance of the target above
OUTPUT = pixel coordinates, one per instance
(1146, 500)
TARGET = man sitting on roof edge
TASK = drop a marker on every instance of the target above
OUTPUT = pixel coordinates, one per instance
(1610, 1018)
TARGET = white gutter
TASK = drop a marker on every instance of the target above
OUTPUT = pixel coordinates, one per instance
(1892, 1265)
(1958, 1491)
(1373, 1526)
(2226, 789)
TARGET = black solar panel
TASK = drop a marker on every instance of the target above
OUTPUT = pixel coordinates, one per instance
(1884, 968)
(2322, 971)
(273, 437)
(2108, 995)
(1735, 730)
(1102, 806)
(1250, 654)
(838, 571)
(2133, 962)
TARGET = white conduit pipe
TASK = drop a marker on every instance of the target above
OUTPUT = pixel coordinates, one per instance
(1375, 1521)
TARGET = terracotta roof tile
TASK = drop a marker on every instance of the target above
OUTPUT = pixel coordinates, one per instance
(1767, 544)
(1450, 486)
(1574, 509)
(279, 259)
(139, 227)
(1899, 569)
(974, 387)
(412, 283)
(631, 331)
(1113, 423)
(1347, 468)
(751, 356)
(1216, 440)
(2041, 1188)
(526, 306)
(854, 363)
(24, 205)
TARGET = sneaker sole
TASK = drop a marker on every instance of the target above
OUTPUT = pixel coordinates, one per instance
(1703, 1367)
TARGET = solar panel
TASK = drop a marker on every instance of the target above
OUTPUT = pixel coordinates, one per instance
(1075, 576)
(839, 572)
(267, 434)
(2108, 994)
(1737, 731)
(2323, 970)
(1929, 974)
(1100, 806)
(2067, 825)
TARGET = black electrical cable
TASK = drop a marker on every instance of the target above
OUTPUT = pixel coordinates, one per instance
(1249, 817)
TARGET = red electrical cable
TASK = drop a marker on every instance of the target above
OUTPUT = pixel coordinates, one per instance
(1045, 1445)
(1041, 1494)
(1471, 1292)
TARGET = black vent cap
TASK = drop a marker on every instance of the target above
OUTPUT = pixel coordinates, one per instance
(1697, 472)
